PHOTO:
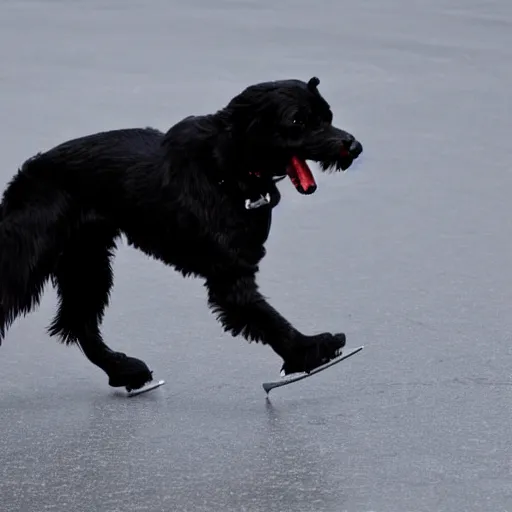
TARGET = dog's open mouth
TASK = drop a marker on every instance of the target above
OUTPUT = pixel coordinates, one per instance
(301, 176)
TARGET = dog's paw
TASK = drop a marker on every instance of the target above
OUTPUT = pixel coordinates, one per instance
(128, 372)
(309, 352)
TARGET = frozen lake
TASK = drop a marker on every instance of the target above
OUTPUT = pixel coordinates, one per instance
(412, 248)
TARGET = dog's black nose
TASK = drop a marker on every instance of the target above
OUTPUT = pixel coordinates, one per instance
(352, 146)
(355, 148)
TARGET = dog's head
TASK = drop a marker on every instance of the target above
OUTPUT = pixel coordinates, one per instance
(279, 125)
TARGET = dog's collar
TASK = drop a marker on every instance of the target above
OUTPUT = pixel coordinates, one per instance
(262, 199)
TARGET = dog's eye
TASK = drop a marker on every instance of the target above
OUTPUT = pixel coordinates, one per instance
(299, 121)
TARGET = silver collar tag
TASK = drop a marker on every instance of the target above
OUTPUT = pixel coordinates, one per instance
(263, 200)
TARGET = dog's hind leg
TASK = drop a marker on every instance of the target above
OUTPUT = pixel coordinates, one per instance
(83, 278)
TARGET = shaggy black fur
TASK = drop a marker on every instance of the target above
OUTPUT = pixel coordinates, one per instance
(183, 197)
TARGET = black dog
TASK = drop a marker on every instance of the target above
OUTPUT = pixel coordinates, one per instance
(198, 198)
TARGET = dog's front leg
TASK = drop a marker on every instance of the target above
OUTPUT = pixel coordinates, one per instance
(242, 310)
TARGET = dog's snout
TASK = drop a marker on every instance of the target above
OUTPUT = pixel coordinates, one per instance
(352, 146)
(355, 148)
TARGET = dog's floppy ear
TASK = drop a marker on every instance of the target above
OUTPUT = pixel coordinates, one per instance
(313, 83)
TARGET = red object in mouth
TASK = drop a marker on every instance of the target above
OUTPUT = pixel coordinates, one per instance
(344, 152)
(301, 176)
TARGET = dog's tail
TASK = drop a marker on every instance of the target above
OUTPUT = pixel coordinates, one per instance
(31, 213)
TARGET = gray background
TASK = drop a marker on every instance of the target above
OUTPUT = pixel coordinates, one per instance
(409, 253)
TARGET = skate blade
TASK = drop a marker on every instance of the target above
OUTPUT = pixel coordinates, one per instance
(147, 387)
(268, 386)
